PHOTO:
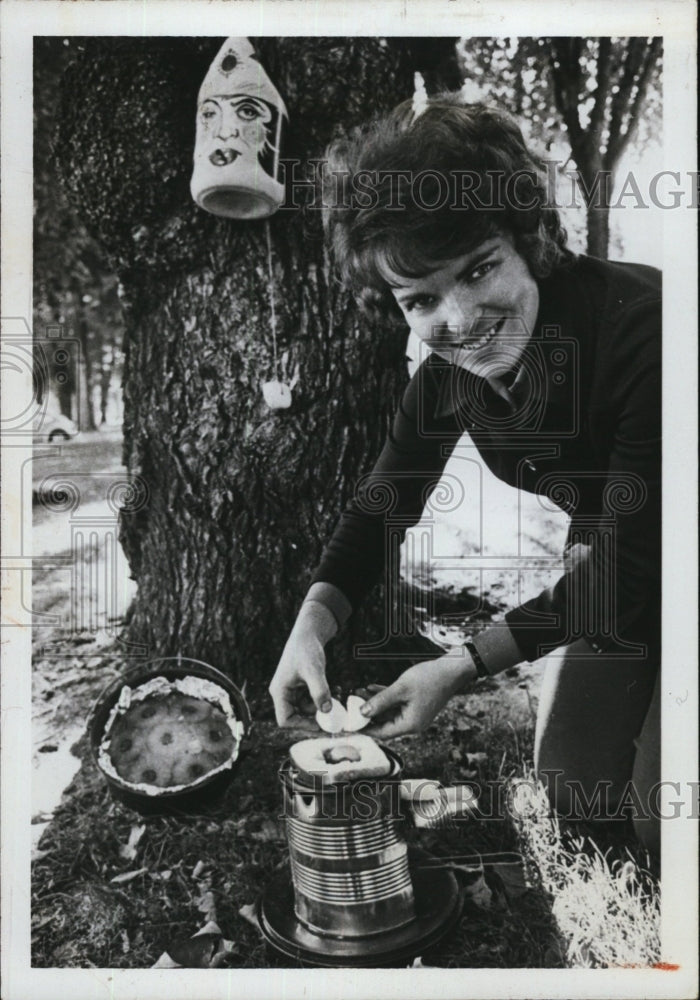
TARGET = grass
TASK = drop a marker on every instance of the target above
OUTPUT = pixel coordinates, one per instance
(605, 900)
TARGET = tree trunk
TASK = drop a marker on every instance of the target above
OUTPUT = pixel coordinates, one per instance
(108, 352)
(65, 378)
(235, 500)
(86, 413)
(598, 235)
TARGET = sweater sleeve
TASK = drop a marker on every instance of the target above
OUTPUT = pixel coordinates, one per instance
(612, 598)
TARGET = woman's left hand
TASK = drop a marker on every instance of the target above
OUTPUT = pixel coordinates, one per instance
(412, 702)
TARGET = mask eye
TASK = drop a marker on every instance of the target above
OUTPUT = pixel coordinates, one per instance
(248, 111)
(208, 112)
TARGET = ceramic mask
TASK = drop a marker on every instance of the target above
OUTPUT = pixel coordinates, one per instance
(240, 119)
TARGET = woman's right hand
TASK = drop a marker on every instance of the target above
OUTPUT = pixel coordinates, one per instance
(299, 687)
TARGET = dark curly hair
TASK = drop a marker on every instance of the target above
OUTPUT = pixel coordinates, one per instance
(410, 192)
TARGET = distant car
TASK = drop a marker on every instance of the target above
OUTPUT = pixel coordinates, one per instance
(54, 427)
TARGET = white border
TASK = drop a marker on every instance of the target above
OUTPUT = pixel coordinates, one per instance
(675, 20)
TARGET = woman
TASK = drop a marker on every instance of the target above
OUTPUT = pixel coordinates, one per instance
(551, 363)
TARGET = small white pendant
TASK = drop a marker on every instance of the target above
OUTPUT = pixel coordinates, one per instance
(277, 395)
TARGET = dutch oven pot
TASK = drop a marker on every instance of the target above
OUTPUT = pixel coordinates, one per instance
(199, 796)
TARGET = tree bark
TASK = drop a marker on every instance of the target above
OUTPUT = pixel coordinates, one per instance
(81, 328)
(236, 500)
(598, 226)
(108, 352)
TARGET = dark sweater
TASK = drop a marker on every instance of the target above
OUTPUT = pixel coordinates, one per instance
(582, 427)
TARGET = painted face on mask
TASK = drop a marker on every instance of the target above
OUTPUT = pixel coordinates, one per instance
(240, 121)
(234, 126)
(477, 310)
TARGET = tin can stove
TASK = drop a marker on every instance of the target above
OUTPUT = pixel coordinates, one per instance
(356, 896)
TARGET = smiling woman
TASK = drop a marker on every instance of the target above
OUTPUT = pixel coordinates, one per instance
(477, 311)
(551, 363)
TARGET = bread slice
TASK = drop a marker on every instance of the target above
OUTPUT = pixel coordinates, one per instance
(341, 758)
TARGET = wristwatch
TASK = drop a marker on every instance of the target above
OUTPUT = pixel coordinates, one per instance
(481, 670)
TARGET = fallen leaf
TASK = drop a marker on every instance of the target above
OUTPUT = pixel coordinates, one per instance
(165, 962)
(37, 923)
(206, 904)
(211, 927)
(126, 944)
(163, 876)
(513, 879)
(226, 958)
(249, 912)
(198, 869)
(39, 855)
(269, 831)
(468, 773)
(479, 893)
(128, 876)
(128, 851)
(206, 949)
(462, 725)
(194, 952)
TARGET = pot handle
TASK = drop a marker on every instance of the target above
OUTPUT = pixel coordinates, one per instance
(433, 805)
(472, 862)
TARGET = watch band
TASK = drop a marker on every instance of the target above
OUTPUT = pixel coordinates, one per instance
(481, 670)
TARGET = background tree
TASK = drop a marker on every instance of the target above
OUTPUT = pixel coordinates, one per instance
(237, 499)
(601, 88)
(597, 97)
(73, 283)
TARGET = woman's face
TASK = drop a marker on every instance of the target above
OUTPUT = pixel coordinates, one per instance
(477, 311)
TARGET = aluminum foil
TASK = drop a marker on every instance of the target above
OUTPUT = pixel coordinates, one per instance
(194, 687)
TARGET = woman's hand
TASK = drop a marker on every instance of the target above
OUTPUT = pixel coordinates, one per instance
(299, 686)
(412, 702)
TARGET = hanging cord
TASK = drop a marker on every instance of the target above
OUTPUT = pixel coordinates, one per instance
(273, 315)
